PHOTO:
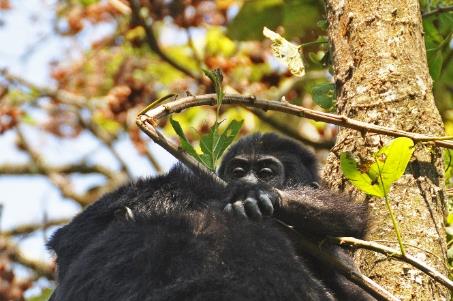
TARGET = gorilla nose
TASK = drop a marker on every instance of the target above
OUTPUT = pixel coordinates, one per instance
(250, 178)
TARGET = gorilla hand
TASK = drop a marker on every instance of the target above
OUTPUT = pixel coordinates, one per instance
(251, 200)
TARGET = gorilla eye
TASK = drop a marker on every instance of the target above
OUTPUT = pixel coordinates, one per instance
(265, 172)
(238, 172)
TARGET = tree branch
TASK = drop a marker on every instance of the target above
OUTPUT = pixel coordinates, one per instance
(181, 104)
(59, 180)
(290, 132)
(394, 253)
(31, 169)
(152, 41)
(38, 267)
(29, 228)
(437, 11)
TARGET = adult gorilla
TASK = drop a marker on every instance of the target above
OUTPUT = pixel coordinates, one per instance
(171, 237)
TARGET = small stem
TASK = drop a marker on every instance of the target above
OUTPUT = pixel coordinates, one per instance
(395, 224)
(313, 43)
(392, 216)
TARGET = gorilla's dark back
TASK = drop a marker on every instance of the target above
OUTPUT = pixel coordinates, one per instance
(169, 238)
(177, 248)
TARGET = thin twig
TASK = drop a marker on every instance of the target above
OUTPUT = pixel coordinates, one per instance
(251, 101)
(290, 132)
(393, 253)
(30, 169)
(353, 275)
(62, 95)
(437, 11)
(39, 268)
(152, 41)
(30, 228)
(61, 181)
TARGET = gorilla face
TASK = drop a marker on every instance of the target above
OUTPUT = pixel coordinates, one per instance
(254, 169)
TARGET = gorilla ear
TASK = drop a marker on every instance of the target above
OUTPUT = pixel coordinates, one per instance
(124, 214)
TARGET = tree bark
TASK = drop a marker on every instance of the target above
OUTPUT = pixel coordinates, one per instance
(382, 77)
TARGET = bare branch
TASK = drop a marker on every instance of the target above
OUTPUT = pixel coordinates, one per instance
(356, 277)
(394, 253)
(290, 132)
(30, 168)
(39, 268)
(62, 95)
(60, 181)
(251, 101)
(73, 100)
(152, 41)
(30, 228)
(437, 11)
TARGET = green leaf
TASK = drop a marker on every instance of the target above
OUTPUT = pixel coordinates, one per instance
(390, 163)
(216, 77)
(213, 145)
(450, 218)
(324, 95)
(360, 180)
(207, 145)
(432, 36)
(253, 16)
(185, 144)
(435, 61)
(227, 137)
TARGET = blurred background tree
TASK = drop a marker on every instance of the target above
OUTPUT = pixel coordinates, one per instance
(77, 129)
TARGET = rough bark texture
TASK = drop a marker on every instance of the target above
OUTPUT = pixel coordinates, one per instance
(382, 77)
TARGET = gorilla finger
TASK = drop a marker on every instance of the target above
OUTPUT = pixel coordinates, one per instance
(266, 204)
(238, 209)
(228, 208)
(252, 209)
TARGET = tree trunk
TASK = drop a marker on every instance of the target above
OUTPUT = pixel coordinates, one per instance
(382, 78)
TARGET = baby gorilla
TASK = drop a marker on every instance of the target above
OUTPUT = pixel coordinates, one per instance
(169, 238)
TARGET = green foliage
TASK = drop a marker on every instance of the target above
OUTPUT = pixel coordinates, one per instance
(217, 43)
(390, 164)
(109, 125)
(324, 95)
(435, 62)
(253, 16)
(299, 15)
(294, 15)
(216, 77)
(43, 296)
(212, 145)
(88, 2)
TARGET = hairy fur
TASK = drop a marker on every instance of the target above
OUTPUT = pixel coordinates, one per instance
(168, 238)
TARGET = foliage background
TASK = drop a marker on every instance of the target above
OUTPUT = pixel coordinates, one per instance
(69, 125)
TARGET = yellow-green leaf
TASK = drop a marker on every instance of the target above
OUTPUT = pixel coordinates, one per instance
(361, 180)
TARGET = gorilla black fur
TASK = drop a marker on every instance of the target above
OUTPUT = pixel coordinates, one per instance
(168, 237)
